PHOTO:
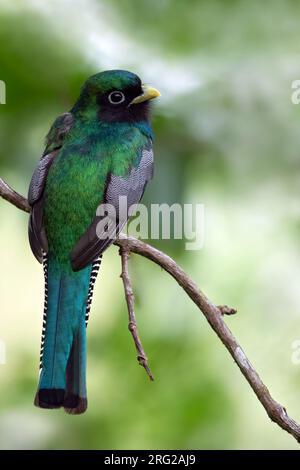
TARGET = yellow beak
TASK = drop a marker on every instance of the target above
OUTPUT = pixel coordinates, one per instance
(148, 94)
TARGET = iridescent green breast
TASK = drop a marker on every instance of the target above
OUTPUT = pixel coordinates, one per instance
(77, 179)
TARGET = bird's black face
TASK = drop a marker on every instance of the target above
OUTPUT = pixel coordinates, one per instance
(115, 96)
(116, 105)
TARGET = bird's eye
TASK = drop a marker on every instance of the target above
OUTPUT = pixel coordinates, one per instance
(116, 97)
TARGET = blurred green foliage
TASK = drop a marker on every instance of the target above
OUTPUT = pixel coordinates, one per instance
(227, 136)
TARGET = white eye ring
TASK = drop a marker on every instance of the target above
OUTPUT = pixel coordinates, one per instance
(116, 97)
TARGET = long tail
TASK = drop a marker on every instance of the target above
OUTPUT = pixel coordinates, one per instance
(63, 350)
(75, 373)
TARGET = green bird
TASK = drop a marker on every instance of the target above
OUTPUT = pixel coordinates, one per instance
(98, 152)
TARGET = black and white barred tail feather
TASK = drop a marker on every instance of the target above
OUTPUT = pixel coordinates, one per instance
(93, 277)
(45, 269)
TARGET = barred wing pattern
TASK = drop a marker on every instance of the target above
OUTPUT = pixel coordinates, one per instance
(132, 187)
(54, 141)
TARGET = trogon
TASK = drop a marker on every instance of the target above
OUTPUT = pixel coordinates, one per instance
(97, 153)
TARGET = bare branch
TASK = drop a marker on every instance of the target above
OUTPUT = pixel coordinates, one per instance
(132, 326)
(14, 198)
(212, 313)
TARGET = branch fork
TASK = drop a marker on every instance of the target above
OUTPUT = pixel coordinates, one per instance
(213, 314)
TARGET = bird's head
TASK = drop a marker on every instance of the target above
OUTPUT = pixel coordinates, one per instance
(115, 96)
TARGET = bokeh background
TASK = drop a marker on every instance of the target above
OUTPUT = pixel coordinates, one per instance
(227, 136)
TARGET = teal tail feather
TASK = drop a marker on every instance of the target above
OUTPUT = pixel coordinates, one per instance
(75, 374)
(63, 352)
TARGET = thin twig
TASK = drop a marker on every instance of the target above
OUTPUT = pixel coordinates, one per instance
(132, 325)
(212, 313)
